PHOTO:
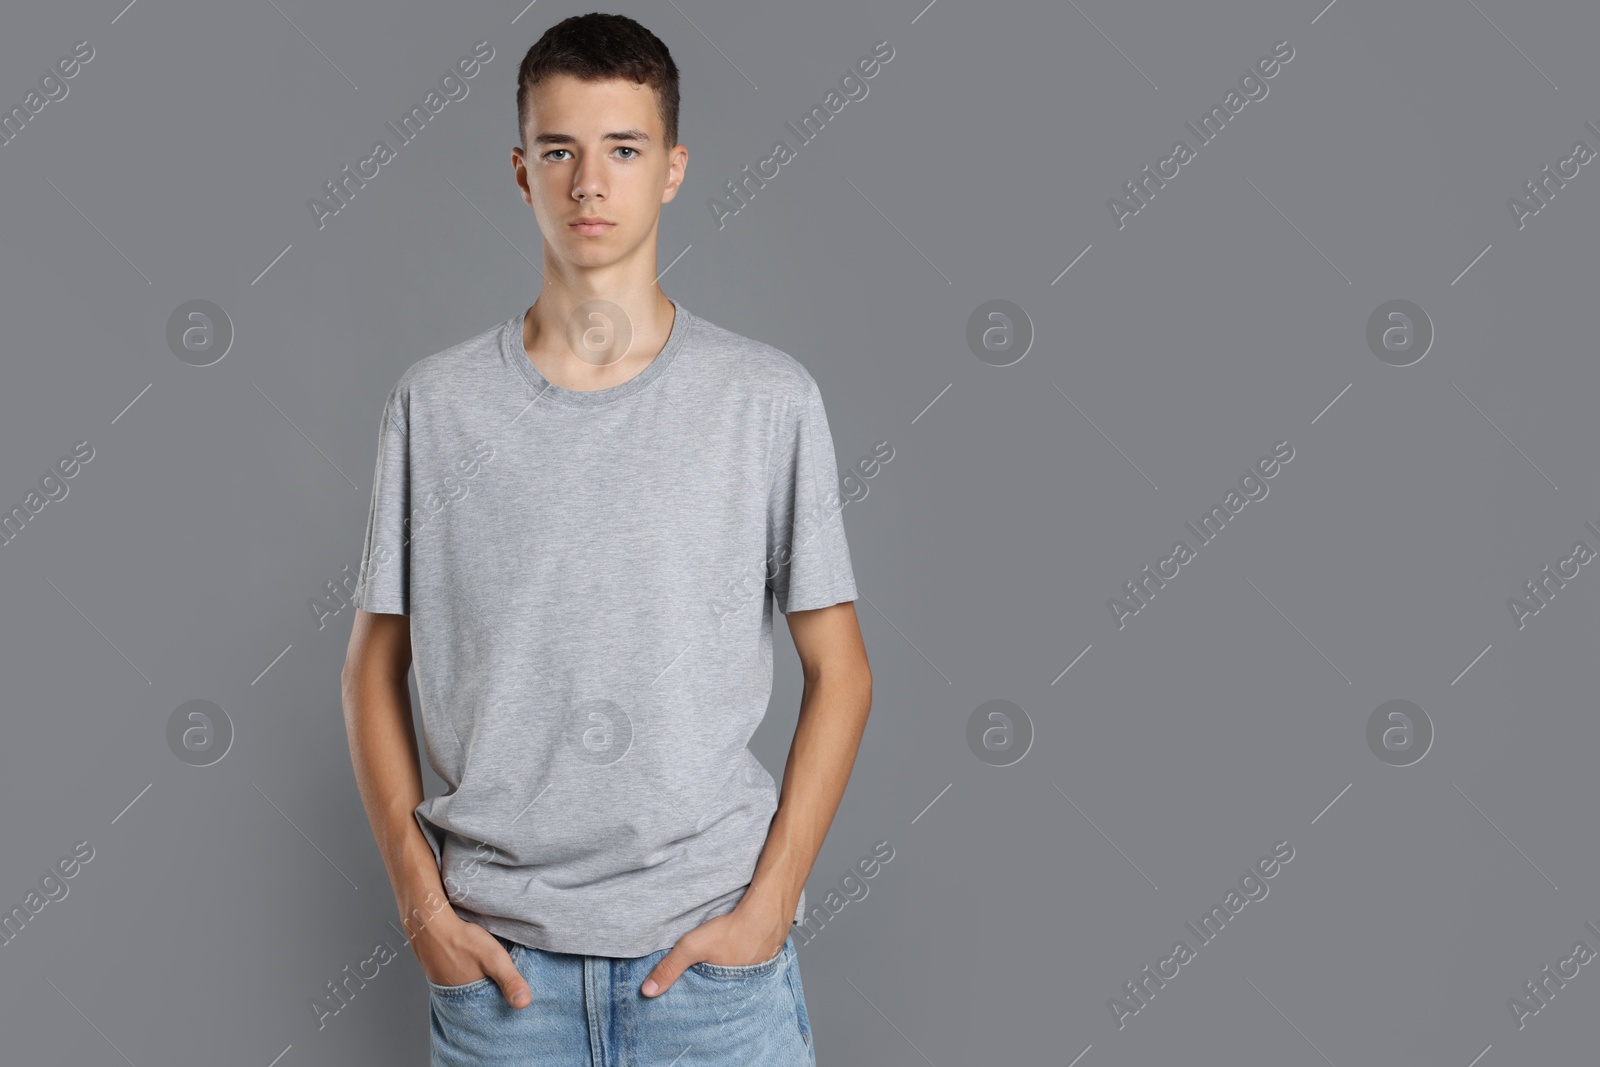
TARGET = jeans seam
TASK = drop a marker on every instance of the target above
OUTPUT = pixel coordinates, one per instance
(794, 997)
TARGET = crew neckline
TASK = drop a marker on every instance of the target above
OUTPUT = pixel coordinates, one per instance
(511, 346)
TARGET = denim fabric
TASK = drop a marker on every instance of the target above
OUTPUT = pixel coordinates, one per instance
(587, 1011)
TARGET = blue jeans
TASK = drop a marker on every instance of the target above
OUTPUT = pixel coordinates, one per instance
(587, 1011)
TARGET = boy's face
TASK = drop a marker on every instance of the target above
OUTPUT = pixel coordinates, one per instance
(595, 150)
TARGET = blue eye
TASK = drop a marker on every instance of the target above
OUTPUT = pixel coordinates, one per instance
(621, 148)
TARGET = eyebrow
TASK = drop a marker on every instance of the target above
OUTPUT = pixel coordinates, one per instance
(617, 135)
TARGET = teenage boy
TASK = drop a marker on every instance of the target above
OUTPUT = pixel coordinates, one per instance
(581, 520)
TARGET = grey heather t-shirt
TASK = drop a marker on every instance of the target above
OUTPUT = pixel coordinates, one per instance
(590, 578)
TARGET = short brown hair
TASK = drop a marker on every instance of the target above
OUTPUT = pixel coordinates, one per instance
(596, 47)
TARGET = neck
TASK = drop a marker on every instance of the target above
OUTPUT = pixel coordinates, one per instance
(595, 339)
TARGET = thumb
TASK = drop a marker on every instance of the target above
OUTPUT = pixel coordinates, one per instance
(667, 970)
(512, 985)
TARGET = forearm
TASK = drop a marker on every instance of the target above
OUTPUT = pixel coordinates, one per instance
(383, 751)
(833, 716)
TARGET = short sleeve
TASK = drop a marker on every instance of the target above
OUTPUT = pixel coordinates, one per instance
(808, 556)
(383, 582)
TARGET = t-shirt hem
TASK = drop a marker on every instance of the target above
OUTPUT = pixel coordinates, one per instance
(584, 945)
(822, 600)
(618, 947)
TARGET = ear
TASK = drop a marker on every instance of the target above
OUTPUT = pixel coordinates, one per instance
(679, 158)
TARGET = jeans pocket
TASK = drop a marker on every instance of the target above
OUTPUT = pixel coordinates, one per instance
(467, 989)
(464, 990)
(749, 970)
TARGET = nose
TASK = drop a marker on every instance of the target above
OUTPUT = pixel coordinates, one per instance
(589, 182)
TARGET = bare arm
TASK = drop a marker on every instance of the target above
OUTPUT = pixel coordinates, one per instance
(383, 750)
(833, 716)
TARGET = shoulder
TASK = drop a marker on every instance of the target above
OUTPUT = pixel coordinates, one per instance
(759, 367)
(461, 367)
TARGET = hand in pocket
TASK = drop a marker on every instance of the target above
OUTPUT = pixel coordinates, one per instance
(454, 952)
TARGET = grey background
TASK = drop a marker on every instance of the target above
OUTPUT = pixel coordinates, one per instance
(1227, 316)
